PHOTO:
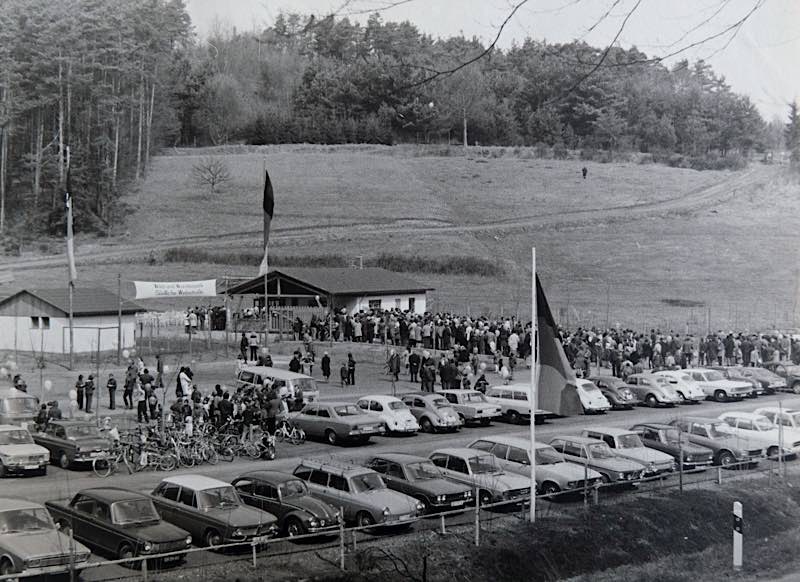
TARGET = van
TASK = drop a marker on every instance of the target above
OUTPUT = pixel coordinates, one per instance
(515, 403)
(18, 407)
(286, 383)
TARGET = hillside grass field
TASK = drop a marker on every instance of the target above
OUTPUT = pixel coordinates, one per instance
(614, 262)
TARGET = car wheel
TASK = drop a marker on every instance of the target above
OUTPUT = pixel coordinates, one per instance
(426, 425)
(212, 538)
(796, 387)
(462, 419)
(63, 460)
(2, 470)
(364, 519)
(484, 497)
(6, 568)
(550, 488)
(125, 552)
(720, 396)
(426, 507)
(605, 478)
(331, 437)
(513, 416)
(651, 400)
(683, 398)
(772, 452)
(726, 459)
(293, 527)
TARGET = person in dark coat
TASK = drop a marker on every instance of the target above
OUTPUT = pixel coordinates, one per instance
(295, 365)
(326, 366)
(80, 386)
(413, 365)
(351, 370)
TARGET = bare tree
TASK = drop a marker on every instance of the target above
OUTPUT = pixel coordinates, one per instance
(212, 172)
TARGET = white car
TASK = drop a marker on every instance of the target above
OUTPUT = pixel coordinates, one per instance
(19, 455)
(716, 386)
(788, 417)
(592, 399)
(653, 390)
(628, 444)
(393, 412)
(759, 430)
(688, 389)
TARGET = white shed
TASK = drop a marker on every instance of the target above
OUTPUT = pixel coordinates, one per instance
(36, 319)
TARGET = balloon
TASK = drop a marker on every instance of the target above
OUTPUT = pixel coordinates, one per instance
(166, 369)
(482, 366)
(73, 395)
(193, 362)
(48, 385)
(265, 350)
(73, 404)
(125, 354)
(12, 365)
(133, 351)
(3, 372)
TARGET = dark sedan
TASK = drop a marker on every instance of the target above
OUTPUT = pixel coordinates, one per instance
(788, 371)
(72, 442)
(120, 523)
(670, 440)
(287, 498)
(418, 477)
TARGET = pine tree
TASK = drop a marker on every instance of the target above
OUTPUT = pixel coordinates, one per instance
(792, 135)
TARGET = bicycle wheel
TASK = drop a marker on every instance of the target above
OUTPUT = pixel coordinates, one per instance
(252, 450)
(210, 456)
(227, 454)
(280, 433)
(103, 467)
(298, 436)
(168, 462)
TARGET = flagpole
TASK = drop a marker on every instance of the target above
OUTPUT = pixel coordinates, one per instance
(119, 318)
(70, 260)
(534, 382)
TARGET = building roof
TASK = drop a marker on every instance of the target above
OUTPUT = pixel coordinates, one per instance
(337, 281)
(86, 301)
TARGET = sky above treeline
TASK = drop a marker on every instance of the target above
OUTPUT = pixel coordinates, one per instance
(761, 60)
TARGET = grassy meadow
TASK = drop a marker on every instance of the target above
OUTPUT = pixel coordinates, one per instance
(737, 259)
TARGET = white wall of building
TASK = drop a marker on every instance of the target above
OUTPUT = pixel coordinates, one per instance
(56, 337)
(399, 300)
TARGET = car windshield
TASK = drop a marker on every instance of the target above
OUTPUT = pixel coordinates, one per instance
(630, 441)
(441, 403)
(347, 410)
(19, 405)
(600, 451)
(217, 497)
(684, 378)
(367, 482)
(82, 431)
(548, 456)
(133, 511)
(794, 418)
(15, 437)
(482, 464)
(714, 376)
(423, 470)
(670, 434)
(305, 384)
(762, 424)
(474, 397)
(589, 387)
(397, 405)
(713, 430)
(293, 488)
(21, 520)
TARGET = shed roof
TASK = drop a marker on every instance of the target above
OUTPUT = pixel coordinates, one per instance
(338, 281)
(86, 301)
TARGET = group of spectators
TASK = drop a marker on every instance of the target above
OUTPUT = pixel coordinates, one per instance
(202, 318)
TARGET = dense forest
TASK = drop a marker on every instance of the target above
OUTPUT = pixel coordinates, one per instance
(115, 80)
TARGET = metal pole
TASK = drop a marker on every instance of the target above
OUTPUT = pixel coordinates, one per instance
(97, 379)
(341, 539)
(781, 462)
(144, 570)
(534, 382)
(477, 517)
(255, 565)
(266, 306)
(680, 463)
(737, 535)
(71, 330)
(119, 319)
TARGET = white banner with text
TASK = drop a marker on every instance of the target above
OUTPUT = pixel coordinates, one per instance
(157, 290)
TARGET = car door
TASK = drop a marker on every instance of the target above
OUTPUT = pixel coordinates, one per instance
(395, 478)
(102, 529)
(318, 484)
(339, 494)
(84, 509)
(267, 499)
(184, 513)
(46, 439)
(309, 421)
(458, 467)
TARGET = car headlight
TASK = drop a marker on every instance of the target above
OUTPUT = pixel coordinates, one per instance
(440, 498)
(688, 458)
(313, 522)
(468, 493)
(741, 453)
(337, 516)
(651, 467)
(188, 540)
(386, 512)
(147, 546)
(420, 507)
(237, 533)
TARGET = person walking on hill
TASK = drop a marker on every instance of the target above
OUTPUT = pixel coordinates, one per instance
(244, 344)
(325, 363)
(413, 366)
(351, 370)
(111, 385)
(80, 386)
(393, 365)
(88, 393)
(253, 343)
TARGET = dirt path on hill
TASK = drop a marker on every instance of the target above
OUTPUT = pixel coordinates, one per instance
(689, 201)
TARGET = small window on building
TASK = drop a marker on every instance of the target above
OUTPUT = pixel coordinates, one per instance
(34, 323)
(374, 303)
(45, 322)
(411, 304)
(397, 303)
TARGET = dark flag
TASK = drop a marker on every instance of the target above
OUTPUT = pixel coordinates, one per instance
(557, 390)
(269, 209)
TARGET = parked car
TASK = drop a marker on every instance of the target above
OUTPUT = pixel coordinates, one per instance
(18, 407)
(288, 384)
(789, 371)
(670, 440)
(19, 455)
(616, 391)
(337, 422)
(716, 386)
(628, 445)
(734, 373)
(471, 406)
(728, 449)
(514, 401)
(361, 493)
(120, 523)
(770, 382)
(591, 397)
(653, 390)
(31, 545)
(288, 498)
(481, 472)
(689, 390)
(759, 430)
(788, 417)
(391, 411)
(211, 511)
(553, 473)
(72, 442)
(432, 411)
(596, 455)
(419, 478)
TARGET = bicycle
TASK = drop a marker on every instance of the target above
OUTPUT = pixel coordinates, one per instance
(109, 463)
(290, 432)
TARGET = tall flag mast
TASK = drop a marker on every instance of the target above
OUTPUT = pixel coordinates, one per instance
(269, 209)
(73, 273)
